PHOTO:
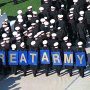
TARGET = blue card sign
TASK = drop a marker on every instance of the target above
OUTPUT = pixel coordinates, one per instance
(3, 57)
(45, 56)
(13, 57)
(80, 59)
(68, 59)
(32, 58)
(23, 58)
(56, 58)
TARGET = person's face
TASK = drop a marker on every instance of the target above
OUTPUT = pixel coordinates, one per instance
(7, 41)
(29, 18)
(25, 34)
(48, 35)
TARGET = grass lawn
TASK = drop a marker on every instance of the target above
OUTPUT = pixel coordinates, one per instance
(10, 9)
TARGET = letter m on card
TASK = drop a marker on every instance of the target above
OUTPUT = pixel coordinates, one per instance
(68, 58)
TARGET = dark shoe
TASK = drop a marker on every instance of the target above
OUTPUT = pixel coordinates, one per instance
(34, 75)
(15, 73)
(58, 73)
(82, 76)
(46, 74)
(24, 74)
(70, 74)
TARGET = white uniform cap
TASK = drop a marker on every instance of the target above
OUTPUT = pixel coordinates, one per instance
(29, 7)
(42, 31)
(14, 33)
(7, 28)
(6, 38)
(19, 16)
(13, 46)
(38, 33)
(54, 34)
(34, 12)
(22, 44)
(33, 43)
(65, 38)
(45, 17)
(4, 26)
(52, 7)
(81, 12)
(88, 7)
(17, 28)
(80, 43)
(19, 11)
(29, 16)
(51, 26)
(30, 28)
(71, 9)
(6, 20)
(18, 35)
(42, 19)
(60, 16)
(18, 38)
(20, 20)
(45, 0)
(75, 0)
(24, 25)
(46, 23)
(80, 18)
(41, 8)
(37, 21)
(62, 5)
(33, 24)
(52, 21)
(3, 42)
(24, 32)
(69, 44)
(30, 34)
(55, 44)
(45, 42)
(35, 36)
(4, 35)
(70, 15)
(59, 28)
